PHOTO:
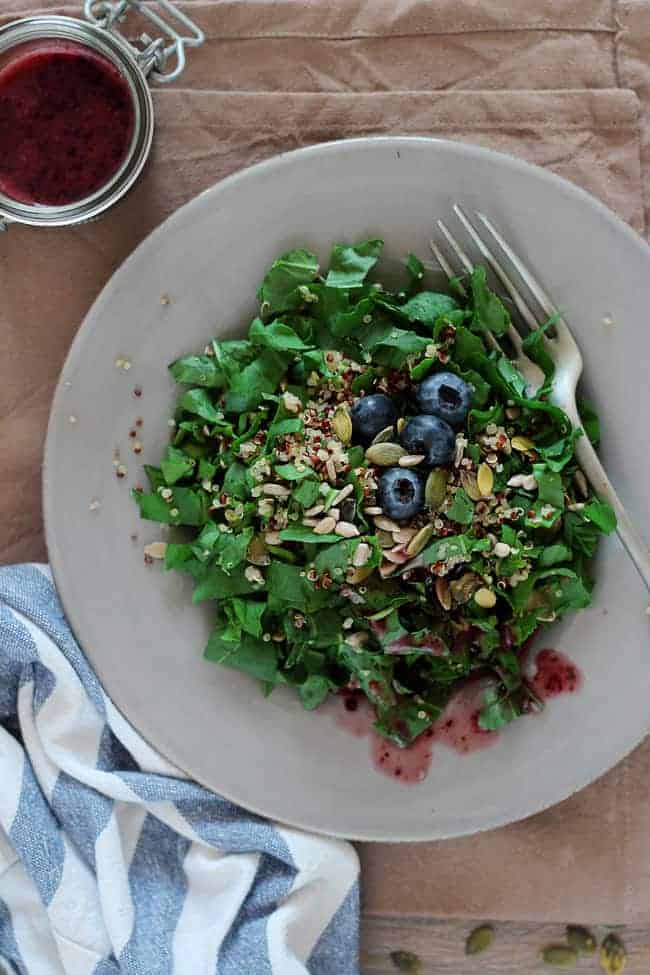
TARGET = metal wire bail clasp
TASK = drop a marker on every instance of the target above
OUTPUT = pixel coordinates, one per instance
(154, 54)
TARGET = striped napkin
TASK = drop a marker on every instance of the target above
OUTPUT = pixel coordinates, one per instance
(112, 861)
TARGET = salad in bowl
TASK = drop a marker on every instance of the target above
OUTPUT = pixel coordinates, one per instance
(371, 496)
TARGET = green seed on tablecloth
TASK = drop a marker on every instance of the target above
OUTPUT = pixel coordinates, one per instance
(613, 956)
(406, 961)
(581, 939)
(479, 940)
(561, 956)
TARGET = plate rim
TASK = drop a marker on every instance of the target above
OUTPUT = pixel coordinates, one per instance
(518, 811)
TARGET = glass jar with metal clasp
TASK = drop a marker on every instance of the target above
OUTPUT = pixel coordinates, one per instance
(76, 112)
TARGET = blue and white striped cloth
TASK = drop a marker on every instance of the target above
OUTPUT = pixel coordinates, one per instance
(112, 861)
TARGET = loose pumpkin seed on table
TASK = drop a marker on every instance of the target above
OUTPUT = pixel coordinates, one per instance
(406, 961)
(581, 939)
(560, 956)
(613, 956)
(479, 940)
(355, 512)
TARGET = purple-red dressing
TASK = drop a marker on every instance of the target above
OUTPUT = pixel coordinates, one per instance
(66, 123)
(458, 726)
(555, 675)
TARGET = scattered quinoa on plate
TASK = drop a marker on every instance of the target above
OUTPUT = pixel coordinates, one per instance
(371, 496)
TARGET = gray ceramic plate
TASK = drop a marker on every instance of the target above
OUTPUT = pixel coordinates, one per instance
(137, 625)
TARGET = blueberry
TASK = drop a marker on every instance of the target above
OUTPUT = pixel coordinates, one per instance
(431, 436)
(445, 395)
(370, 415)
(401, 494)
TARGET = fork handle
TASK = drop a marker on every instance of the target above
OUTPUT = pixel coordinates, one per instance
(595, 472)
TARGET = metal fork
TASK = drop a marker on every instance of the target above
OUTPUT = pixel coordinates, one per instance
(561, 347)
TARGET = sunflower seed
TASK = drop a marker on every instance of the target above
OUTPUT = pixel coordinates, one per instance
(316, 510)
(346, 530)
(276, 490)
(385, 454)
(613, 956)
(342, 425)
(401, 423)
(470, 485)
(485, 480)
(580, 939)
(373, 510)
(156, 550)
(442, 592)
(361, 555)
(522, 444)
(404, 535)
(398, 555)
(485, 598)
(325, 526)
(410, 460)
(479, 940)
(436, 487)
(309, 522)
(343, 494)
(386, 525)
(419, 540)
(561, 956)
(383, 436)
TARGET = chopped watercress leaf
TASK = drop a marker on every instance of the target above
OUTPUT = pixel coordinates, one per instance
(313, 577)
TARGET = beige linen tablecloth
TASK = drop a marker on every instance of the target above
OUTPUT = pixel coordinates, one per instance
(563, 84)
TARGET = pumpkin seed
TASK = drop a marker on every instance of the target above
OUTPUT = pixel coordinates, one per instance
(385, 454)
(470, 485)
(257, 553)
(485, 598)
(581, 939)
(613, 956)
(406, 961)
(361, 555)
(386, 524)
(561, 956)
(342, 424)
(385, 539)
(347, 530)
(479, 940)
(464, 588)
(522, 444)
(410, 460)
(485, 480)
(419, 540)
(359, 574)
(436, 487)
(442, 592)
(383, 436)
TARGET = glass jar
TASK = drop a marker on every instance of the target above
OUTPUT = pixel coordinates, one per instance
(77, 109)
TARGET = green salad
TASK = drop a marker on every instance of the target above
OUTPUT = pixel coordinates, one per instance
(371, 496)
